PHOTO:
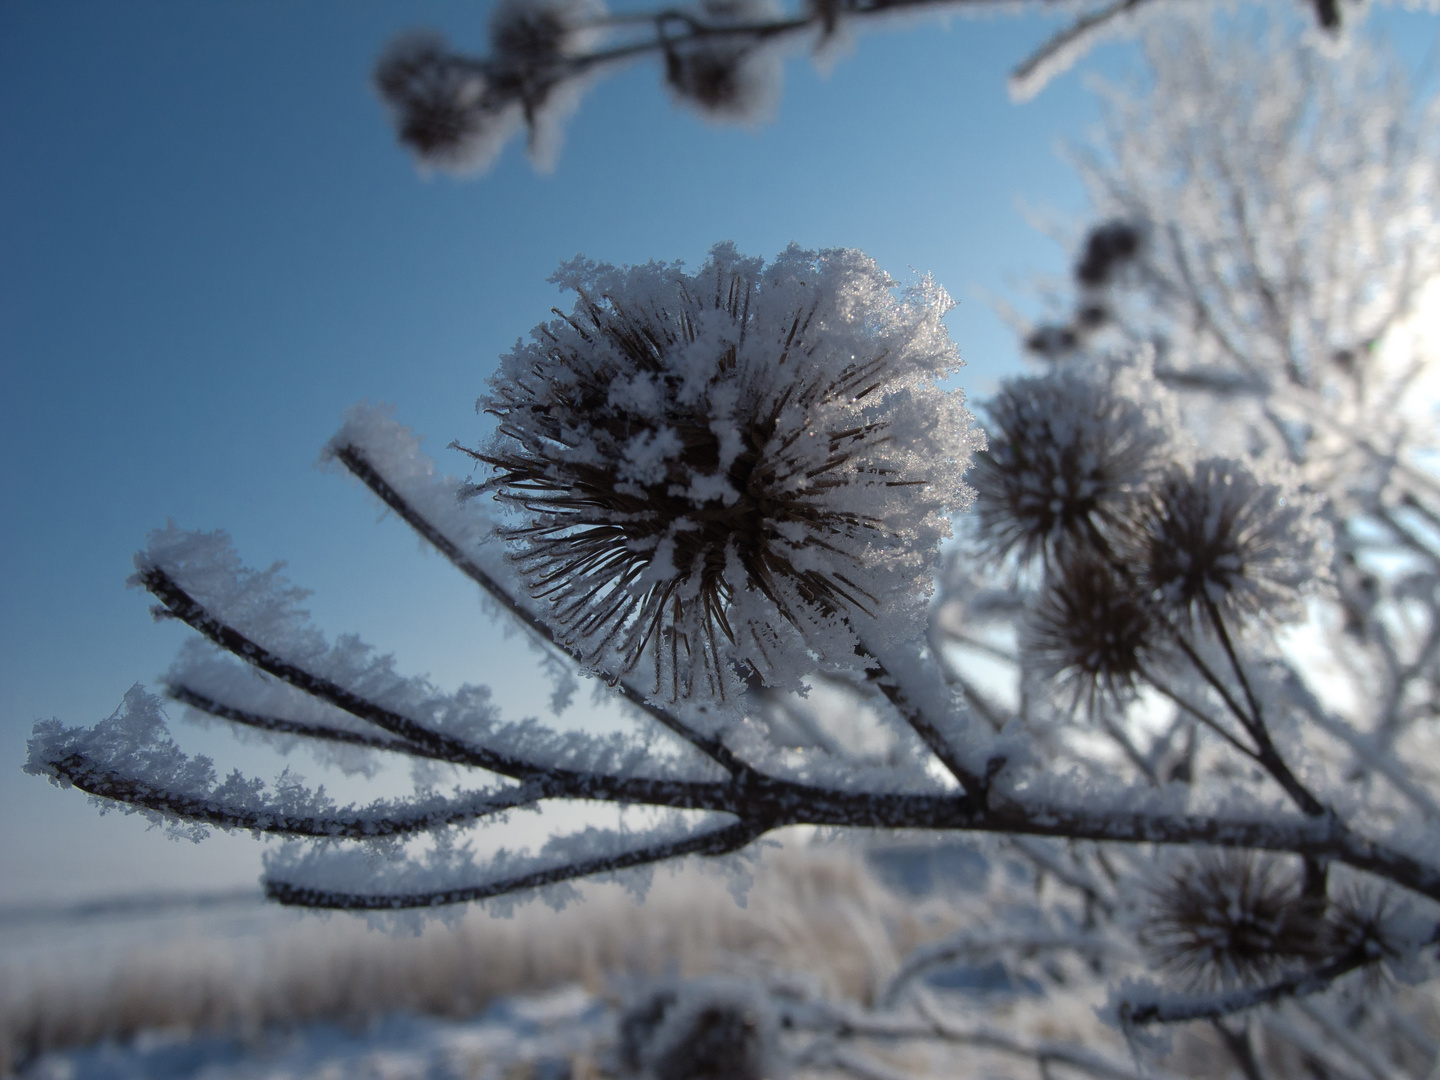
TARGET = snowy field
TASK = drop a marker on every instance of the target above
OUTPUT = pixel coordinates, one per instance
(228, 986)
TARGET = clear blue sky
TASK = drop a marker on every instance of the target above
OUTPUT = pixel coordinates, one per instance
(210, 247)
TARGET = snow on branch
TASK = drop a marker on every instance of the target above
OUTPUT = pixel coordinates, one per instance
(722, 58)
(131, 760)
(353, 882)
(385, 456)
(454, 729)
(722, 491)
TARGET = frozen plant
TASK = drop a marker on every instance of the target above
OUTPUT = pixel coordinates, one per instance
(701, 1029)
(1262, 274)
(1179, 676)
(734, 473)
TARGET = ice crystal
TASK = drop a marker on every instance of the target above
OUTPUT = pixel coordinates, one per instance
(742, 471)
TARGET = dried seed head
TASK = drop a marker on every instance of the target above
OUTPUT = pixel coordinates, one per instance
(729, 78)
(1092, 315)
(702, 1029)
(440, 103)
(1052, 340)
(1214, 534)
(530, 41)
(729, 473)
(537, 34)
(1369, 919)
(1108, 249)
(1225, 919)
(1092, 627)
(1066, 455)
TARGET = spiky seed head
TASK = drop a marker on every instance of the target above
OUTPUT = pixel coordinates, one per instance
(733, 473)
(1215, 534)
(702, 1029)
(1066, 455)
(1092, 628)
(1226, 919)
(440, 103)
(1367, 918)
(1052, 340)
(537, 34)
(729, 78)
(530, 41)
(1109, 248)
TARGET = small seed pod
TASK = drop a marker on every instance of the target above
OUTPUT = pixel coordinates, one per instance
(1226, 919)
(1066, 455)
(1108, 249)
(704, 1029)
(1092, 627)
(1215, 536)
(440, 103)
(729, 77)
(1052, 341)
(530, 41)
(1366, 919)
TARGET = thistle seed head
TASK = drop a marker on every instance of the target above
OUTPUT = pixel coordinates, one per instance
(537, 34)
(1092, 627)
(530, 41)
(702, 1029)
(729, 473)
(1214, 534)
(1226, 919)
(1109, 248)
(1066, 455)
(727, 78)
(440, 103)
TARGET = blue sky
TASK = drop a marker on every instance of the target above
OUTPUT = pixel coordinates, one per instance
(210, 247)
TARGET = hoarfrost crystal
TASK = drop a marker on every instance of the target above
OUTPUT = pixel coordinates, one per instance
(741, 472)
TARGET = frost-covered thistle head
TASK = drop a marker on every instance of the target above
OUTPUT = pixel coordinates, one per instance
(727, 78)
(438, 101)
(1109, 248)
(1092, 627)
(530, 41)
(1224, 919)
(702, 1029)
(536, 34)
(1065, 455)
(1215, 534)
(732, 472)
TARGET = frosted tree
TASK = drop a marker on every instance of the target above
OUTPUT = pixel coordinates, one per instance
(1174, 672)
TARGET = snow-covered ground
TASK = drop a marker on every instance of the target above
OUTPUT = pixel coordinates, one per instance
(561, 1035)
(229, 987)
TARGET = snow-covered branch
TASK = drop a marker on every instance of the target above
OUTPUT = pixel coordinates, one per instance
(725, 60)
